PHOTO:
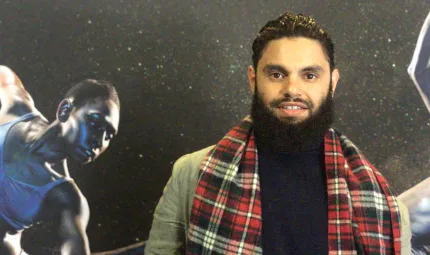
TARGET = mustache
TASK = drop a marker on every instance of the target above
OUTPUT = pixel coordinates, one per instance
(288, 99)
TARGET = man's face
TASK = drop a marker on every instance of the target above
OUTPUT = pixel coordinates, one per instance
(293, 77)
(89, 129)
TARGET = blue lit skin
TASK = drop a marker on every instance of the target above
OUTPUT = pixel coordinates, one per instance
(89, 129)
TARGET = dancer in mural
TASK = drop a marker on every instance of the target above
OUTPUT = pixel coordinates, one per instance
(282, 181)
(34, 180)
(418, 198)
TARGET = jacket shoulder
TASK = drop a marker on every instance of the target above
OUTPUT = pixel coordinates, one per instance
(188, 165)
(185, 177)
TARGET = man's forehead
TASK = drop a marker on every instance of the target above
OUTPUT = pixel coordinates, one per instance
(108, 108)
(111, 112)
(104, 105)
(295, 51)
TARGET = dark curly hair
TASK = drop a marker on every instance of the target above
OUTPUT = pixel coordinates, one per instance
(292, 25)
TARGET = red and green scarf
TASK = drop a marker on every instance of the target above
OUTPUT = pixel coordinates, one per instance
(363, 216)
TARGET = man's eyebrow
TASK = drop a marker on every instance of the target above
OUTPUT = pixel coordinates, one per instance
(274, 67)
(110, 127)
(313, 68)
(279, 68)
(107, 123)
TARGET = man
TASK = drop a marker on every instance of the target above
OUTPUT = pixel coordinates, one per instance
(282, 181)
(34, 180)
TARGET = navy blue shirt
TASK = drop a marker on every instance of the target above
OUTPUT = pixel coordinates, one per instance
(294, 201)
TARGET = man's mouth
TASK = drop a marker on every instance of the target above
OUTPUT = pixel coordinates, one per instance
(90, 153)
(87, 153)
(292, 109)
(293, 106)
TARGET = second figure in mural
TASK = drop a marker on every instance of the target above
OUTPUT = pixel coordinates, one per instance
(417, 198)
(34, 180)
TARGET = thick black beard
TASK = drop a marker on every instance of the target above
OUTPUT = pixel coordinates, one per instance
(272, 133)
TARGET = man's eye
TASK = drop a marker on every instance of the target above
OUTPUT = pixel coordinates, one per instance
(310, 76)
(277, 75)
(95, 116)
(93, 121)
(108, 136)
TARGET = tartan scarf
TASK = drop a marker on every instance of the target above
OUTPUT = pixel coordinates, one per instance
(363, 216)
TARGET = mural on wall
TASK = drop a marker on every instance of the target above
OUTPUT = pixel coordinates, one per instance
(35, 184)
(417, 198)
(179, 68)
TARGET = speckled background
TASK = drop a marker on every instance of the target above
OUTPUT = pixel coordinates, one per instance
(180, 70)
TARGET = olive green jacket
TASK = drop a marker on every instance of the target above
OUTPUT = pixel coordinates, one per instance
(171, 216)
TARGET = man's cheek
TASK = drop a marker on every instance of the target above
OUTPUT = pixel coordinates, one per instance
(83, 135)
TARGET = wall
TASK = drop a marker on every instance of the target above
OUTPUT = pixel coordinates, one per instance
(180, 70)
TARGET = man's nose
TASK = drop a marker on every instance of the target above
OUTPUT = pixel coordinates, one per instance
(98, 141)
(97, 144)
(291, 86)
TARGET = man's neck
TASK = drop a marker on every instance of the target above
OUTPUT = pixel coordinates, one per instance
(46, 143)
(277, 146)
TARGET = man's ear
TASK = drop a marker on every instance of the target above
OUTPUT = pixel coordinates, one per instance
(64, 110)
(251, 78)
(334, 79)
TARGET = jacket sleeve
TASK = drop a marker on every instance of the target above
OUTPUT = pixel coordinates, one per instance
(167, 234)
(406, 233)
(171, 216)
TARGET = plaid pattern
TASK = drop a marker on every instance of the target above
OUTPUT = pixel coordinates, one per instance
(363, 216)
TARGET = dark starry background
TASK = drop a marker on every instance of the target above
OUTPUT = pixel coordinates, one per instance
(180, 70)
